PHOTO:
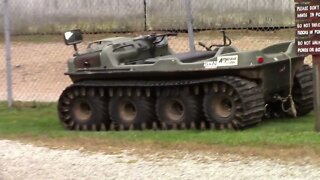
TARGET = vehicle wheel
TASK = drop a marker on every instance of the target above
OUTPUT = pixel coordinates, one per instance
(233, 103)
(303, 90)
(175, 107)
(81, 111)
(131, 111)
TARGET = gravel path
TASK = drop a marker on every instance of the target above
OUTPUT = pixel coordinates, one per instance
(24, 161)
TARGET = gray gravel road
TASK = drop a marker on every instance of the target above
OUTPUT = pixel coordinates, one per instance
(25, 161)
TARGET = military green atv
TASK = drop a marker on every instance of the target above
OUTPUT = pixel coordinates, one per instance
(139, 83)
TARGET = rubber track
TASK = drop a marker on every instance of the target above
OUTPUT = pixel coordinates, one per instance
(303, 93)
(253, 102)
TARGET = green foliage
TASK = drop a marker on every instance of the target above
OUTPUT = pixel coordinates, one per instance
(40, 120)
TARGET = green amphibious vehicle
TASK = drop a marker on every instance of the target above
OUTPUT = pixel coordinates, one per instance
(139, 83)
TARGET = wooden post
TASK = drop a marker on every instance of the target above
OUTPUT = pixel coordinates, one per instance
(307, 41)
(316, 89)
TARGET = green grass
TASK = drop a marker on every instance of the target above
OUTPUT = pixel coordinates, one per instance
(40, 121)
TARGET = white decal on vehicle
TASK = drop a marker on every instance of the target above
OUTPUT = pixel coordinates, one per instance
(67, 35)
(227, 60)
(210, 64)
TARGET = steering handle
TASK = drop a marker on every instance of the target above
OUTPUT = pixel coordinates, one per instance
(204, 46)
(153, 37)
(169, 34)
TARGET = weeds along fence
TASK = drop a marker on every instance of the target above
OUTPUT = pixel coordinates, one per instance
(38, 55)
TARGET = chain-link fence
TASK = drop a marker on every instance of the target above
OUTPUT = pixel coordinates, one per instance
(39, 55)
(2, 54)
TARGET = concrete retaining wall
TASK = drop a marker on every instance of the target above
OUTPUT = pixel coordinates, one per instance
(210, 14)
(52, 16)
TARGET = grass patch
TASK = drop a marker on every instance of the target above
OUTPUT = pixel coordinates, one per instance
(40, 122)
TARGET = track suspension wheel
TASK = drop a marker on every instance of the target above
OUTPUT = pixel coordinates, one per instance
(233, 103)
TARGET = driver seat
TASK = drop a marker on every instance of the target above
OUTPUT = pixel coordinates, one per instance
(189, 57)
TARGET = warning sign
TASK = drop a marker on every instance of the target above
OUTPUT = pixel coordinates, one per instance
(308, 26)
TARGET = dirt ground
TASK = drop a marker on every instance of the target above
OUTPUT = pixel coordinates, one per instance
(39, 65)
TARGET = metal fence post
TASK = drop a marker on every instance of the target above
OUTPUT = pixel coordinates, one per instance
(192, 47)
(6, 16)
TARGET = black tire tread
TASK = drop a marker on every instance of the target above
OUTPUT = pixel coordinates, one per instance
(303, 90)
(193, 103)
(251, 97)
(147, 107)
(64, 111)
